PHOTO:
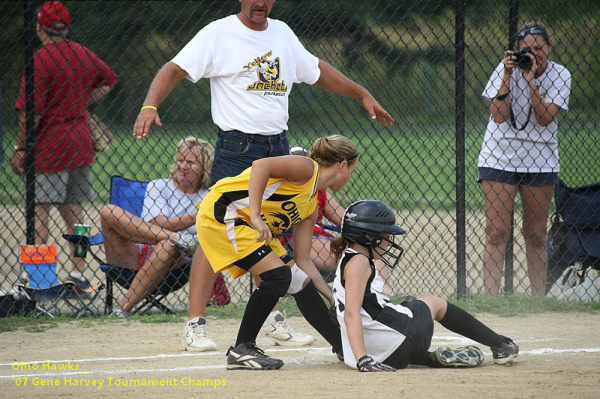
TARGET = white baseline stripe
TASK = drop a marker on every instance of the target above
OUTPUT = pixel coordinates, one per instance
(458, 339)
(535, 352)
(545, 351)
(159, 356)
(96, 372)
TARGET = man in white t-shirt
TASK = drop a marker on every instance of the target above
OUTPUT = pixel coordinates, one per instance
(252, 62)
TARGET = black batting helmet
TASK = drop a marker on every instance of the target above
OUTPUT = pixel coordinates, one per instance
(374, 218)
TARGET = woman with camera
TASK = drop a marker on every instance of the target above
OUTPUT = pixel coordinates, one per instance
(520, 151)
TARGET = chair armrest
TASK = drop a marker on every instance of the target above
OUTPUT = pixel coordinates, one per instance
(85, 240)
(332, 227)
(97, 239)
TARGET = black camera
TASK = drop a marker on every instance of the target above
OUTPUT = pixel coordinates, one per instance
(523, 61)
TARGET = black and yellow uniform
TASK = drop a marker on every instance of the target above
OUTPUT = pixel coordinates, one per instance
(223, 221)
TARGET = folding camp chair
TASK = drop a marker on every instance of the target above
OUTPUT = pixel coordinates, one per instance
(129, 195)
(41, 283)
(575, 232)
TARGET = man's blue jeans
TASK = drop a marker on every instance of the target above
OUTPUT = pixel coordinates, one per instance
(235, 151)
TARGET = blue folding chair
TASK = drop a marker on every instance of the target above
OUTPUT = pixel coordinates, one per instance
(575, 231)
(129, 195)
(39, 283)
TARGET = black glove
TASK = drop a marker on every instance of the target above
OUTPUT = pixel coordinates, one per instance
(333, 316)
(367, 364)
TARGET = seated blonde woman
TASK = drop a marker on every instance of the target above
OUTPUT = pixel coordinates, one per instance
(165, 236)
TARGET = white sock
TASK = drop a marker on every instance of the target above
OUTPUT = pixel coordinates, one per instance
(76, 274)
(271, 317)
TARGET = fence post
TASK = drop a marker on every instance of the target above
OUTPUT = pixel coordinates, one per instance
(1, 130)
(29, 35)
(509, 252)
(461, 270)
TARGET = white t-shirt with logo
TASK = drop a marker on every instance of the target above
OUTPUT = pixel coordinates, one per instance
(251, 72)
(163, 198)
(535, 148)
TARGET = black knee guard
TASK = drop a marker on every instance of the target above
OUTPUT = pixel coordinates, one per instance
(276, 280)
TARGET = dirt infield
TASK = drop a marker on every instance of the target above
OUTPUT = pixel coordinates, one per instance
(560, 358)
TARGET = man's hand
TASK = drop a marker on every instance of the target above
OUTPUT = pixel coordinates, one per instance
(145, 119)
(163, 84)
(17, 162)
(376, 111)
(367, 364)
(334, 81)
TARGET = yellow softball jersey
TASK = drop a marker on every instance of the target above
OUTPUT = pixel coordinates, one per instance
(223, 221)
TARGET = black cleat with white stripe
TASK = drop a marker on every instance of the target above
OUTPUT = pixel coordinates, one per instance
(247, 356)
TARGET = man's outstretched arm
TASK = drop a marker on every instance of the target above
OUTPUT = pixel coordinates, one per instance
(334, 81)
(163, 84)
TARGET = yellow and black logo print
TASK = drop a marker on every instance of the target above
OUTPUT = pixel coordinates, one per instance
(268, 74)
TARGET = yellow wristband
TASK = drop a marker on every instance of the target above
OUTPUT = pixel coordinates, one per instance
(149, 107)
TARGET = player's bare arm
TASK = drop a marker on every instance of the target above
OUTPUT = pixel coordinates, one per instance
(333, 80)
(163, 84)
(302, 255)
(356, 274)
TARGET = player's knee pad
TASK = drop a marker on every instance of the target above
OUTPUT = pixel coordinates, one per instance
(298, 280)
(277, 280)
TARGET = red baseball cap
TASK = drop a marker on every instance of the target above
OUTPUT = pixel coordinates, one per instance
(54, 17)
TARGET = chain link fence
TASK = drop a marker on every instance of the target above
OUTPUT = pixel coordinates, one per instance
(426, 62)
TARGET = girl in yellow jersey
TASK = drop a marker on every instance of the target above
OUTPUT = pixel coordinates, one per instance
(236, 224)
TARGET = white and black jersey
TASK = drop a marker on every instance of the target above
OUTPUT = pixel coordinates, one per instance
(384, 323)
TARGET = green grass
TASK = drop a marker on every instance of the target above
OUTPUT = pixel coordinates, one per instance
(505, 306)
(522, 305)
(409, 166)
(30, 324)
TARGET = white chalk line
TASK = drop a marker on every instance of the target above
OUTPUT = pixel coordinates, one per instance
(534, 352)
(460, 340)
(456, 339)
(159, 356)
(98, 372)
(133, 358)
(544, 351)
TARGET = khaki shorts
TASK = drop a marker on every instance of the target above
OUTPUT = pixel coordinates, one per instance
(67, 187)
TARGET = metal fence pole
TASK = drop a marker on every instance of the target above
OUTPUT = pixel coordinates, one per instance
(461, 270)
(29, 34)
(1, 130)
(509, 256)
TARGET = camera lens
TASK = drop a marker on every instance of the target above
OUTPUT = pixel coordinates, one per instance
(523, 60)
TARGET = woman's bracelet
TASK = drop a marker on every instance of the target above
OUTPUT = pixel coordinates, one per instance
(501, 97)
(149, 107)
